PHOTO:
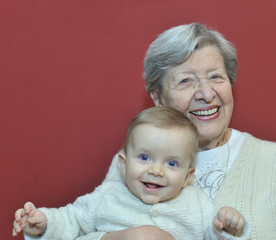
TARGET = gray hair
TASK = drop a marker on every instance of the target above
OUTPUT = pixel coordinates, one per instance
(174, 46)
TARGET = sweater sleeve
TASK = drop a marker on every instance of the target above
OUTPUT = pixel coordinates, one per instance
(74, 220)
(213, 234)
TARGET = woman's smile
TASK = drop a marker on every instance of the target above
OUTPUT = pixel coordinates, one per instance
(206, 112)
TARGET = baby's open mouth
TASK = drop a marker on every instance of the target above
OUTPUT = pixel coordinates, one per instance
(152, 185)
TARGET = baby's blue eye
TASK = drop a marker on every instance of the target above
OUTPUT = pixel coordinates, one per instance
(144, 157)
(173, 163)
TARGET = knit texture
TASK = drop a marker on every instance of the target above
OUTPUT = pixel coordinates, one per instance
(250, 186)
(112, 207)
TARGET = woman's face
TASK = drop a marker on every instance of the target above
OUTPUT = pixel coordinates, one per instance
(200, 88)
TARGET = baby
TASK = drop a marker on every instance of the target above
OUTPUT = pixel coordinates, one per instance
(157, 163)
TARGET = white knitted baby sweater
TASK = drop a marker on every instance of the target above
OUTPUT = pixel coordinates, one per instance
(112, 207)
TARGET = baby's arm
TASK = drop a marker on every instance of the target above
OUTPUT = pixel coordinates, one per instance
(30, 220)
(230, 220)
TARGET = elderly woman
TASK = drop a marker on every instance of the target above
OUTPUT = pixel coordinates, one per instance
(192, 69)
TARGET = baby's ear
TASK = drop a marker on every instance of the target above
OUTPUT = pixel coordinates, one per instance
(188, 178)
(122, 162)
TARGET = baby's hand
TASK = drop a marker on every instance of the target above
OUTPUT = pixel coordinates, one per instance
(229, 220)
(30, 220)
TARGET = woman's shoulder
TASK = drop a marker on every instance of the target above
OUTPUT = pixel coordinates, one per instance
(264, 143)
(259, 148)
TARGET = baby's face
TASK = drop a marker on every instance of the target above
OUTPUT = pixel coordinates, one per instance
(158, 162)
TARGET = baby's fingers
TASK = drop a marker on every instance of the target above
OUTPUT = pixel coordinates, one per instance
(37, 218)
(19, 214)
(239, 227)
(17, 227)
(28, 207)
(231, 222)
(217, 223)
(234, 221)
(14, 233)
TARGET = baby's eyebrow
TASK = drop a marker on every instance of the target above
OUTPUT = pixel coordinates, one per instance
(143, 150)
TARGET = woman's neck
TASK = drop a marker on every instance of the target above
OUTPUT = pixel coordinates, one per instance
(207, 144)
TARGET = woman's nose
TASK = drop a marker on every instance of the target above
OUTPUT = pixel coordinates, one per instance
(157, 170)
(204, 91)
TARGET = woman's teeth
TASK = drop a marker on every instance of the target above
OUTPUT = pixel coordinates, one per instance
(205, 112)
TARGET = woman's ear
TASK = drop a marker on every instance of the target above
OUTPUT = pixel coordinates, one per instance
(122, 162)
(190, 173)
(155, 98)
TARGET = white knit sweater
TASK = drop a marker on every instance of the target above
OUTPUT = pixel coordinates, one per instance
(250, 187)
(112, 207)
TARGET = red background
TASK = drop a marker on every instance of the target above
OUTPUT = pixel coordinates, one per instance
(71, 80)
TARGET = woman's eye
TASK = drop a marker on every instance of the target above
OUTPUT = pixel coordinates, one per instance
(216, 77)
(185, 80)
(173, 163)
(144, 157)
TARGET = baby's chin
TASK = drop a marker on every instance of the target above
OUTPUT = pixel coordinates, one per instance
(154, 200)
(150, 200)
